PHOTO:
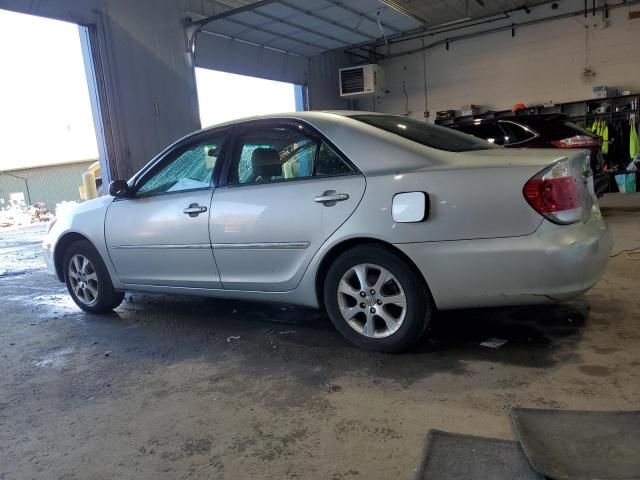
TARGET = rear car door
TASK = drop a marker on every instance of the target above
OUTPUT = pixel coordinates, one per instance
(160, 235)
(286, 190)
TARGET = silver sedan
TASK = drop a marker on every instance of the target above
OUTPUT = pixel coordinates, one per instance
(379, 219)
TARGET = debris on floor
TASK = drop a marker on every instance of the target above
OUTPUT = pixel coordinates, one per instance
(494, 343)
(233, 338)
(287, 332)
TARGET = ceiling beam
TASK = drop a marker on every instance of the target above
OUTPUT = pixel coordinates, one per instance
(392, 4)
(304, 29)
(276, 49)
(233, 11)
(343, 26)
(362, 14)
(275, 34)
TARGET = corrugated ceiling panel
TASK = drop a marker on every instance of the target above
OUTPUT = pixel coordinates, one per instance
(322, 41)
(297, 47)
(225, 27)
(306, 28)
(362, 24)
(251, 18)
(311, 5)
(324, 25)
(279, 10)
(369, 6)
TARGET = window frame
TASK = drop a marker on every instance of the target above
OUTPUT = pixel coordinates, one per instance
(520, 125)
(235, 150)
(178, 148)
(476, 128)
(372, 119)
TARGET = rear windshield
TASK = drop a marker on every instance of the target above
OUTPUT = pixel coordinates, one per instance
(432, 136)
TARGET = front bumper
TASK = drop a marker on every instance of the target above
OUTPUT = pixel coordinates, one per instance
(47, 253)
(553, 264)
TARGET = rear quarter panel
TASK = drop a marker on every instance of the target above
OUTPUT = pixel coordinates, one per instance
(464, 204)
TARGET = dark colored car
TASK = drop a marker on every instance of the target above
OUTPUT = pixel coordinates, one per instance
(540, 131)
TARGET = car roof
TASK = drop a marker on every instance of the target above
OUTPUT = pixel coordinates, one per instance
(308, 115)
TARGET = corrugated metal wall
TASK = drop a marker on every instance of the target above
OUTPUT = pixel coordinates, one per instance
(49, 184)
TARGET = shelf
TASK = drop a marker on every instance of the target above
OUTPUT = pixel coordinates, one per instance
(567, 108)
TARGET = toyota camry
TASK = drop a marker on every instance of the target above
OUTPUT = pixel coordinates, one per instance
(379, 219)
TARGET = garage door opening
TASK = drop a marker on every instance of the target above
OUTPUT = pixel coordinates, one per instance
(46, 123)
(226, 96)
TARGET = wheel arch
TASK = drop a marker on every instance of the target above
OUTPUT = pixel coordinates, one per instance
(61, 247)
(345, 245)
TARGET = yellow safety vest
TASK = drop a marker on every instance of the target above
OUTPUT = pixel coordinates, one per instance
(634, 144)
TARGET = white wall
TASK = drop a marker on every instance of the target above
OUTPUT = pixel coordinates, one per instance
(542, 62)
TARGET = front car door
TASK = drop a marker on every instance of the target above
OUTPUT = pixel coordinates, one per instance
(160, 236)
(285, 192)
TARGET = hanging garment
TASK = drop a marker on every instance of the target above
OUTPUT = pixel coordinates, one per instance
(601, 128)
(624, 147)
(617, 147)
(634, 144)
(604, 134)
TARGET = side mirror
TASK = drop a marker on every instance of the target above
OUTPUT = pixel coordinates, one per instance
(212, 152)
(119, 189)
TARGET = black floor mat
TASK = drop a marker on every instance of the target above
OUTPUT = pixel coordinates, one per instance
(451, 456)
(577, 445)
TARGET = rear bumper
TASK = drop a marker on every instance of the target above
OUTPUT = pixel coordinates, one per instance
(553, 264)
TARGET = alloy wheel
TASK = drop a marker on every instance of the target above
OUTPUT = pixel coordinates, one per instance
(83, 279)
(372, 300)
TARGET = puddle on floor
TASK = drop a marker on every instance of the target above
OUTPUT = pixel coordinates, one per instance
(54, 359)
(47, 306)
(61, 301)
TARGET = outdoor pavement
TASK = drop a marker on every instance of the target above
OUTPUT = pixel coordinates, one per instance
(178, 387)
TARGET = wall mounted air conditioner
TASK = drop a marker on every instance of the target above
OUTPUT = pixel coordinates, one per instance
(362, 80)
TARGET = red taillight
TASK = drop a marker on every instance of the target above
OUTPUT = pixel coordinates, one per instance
(561, 192)
(552, 195)
(577, 141)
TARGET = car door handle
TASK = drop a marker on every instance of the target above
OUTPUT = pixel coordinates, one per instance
(331, 197)
(194, 210)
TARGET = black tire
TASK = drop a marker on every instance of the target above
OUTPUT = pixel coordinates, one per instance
(419, 305)
(107, 298)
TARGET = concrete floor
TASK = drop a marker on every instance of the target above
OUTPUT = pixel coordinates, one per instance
(175, 387)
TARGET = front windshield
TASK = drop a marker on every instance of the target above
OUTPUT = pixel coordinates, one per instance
(426, 134)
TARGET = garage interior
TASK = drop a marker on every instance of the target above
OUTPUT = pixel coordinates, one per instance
(171, 386)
